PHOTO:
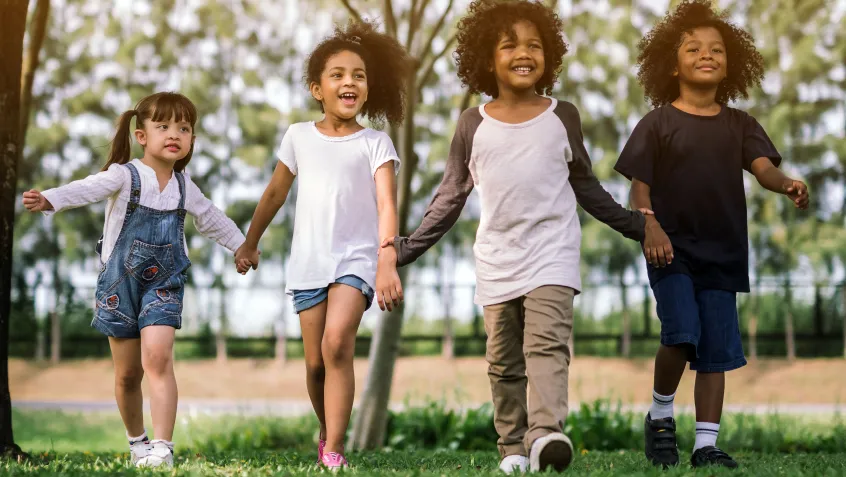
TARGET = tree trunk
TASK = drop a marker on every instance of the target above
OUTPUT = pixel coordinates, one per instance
(789, 337)
(448, 346)
(753, 336)
(41, 342)
(372, 414)
(281, 348)
(843, 297)
(55, 316)
(11, 147)
(371, 418)
(55, 337)
(30, 64)
(220, 337)
(626, 345)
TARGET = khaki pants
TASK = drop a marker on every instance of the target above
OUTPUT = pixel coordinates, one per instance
(528, 342)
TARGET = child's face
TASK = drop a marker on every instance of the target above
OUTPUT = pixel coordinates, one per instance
(343, 85)
(168, 141)
(518, 58)
(702, 58)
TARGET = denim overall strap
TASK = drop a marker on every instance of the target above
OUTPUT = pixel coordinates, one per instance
(181, 180)
(135, 193)
(134, 198)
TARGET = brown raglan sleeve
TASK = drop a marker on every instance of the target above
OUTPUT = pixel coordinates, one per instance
(449, 199)
(590, 194)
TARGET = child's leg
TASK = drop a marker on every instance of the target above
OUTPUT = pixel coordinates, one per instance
(345, 308)
(312, 323)
(126, 355)
(157, 359)
(680, 335)
(507, 374)
(678, 311)
(720, 350)
(549, 323)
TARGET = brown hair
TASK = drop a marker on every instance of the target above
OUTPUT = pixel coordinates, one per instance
(156, 107)
(387, 63)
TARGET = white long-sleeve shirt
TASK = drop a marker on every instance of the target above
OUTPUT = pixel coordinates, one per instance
(116, 184)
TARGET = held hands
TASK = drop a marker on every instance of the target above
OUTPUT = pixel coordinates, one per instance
(35, 202)
(656, 244)
(388, 285)
(246, 258)
(797, 191)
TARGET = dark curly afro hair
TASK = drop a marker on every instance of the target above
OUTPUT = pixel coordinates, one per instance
(480, 30)
(385, 60)
(658, 55)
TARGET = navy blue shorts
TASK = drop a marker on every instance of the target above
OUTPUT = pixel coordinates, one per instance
(305, 299)
(706, 319)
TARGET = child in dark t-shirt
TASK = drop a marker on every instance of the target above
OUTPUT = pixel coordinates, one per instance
(686, 160)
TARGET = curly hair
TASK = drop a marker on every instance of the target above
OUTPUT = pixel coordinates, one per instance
(385, 60)
(480, 30)
(658, 55)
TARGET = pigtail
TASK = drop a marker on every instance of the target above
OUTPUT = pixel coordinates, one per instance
(120, 150)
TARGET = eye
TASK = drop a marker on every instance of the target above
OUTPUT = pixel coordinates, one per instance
(162, 126)
(507, 46)
(718, 50)
(693, 50)
(186, 129)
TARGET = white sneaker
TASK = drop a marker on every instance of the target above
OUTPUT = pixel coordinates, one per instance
(138, 451)
(514, 463)
(552, 450)
(159, 454)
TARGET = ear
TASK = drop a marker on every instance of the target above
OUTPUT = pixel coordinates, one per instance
(316, 92)
(141, 137)
(675, 71)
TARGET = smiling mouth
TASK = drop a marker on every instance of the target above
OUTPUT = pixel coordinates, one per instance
(348, 99)
(523, 70)
(707, 68)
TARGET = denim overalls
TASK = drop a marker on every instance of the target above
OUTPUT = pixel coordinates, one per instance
(143, 281)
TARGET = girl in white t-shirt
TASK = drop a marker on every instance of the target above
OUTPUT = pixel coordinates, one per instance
(345, 205)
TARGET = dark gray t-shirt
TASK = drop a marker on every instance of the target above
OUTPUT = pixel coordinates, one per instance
(529, 176)
(694, 167)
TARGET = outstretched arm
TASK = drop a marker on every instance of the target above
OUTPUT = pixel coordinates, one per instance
(92, 189)
(772, 178)
(446, 206)
(269, 204)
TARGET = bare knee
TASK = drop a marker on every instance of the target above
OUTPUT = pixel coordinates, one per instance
(158, 362)
(315, 368)
(337, 349)
(130, 378)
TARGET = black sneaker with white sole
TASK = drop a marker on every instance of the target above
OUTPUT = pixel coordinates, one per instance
(710, 455)
(661, 447)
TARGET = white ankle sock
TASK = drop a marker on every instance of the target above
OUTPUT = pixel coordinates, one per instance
(706, 435)
(134, 440)
(662, 406)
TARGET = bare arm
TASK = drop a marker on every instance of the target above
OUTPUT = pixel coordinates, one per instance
(656, 244)
(269, 204)
(388, 286)
(772, 178)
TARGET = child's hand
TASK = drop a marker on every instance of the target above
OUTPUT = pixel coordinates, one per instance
(246, 258)
(35, 202)
(656, 245)
(388, 242)
(798, 193)
(388, 285)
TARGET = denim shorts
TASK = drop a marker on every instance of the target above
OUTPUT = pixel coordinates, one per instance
(305, 299)
(706, 319)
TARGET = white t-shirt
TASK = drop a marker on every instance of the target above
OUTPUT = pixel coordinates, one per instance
(336, 227)
(115, 183)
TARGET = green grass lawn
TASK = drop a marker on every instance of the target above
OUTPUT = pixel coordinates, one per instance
(418, 463)
(94, 444)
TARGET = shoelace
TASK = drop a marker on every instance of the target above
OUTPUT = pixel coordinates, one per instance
(335, 457)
